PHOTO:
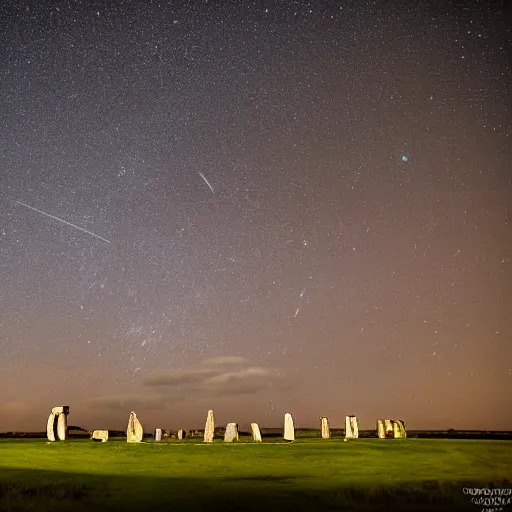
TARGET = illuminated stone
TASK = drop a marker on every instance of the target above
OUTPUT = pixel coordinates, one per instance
(255, 431)
(399, 429)
(351, 429)
(388, 427)
(100, 435)
(209, 428)
(231, 433)
(289, 430)
(50, 427)
(381, 432)
(57, 425)
(134, 432)
(324, 425)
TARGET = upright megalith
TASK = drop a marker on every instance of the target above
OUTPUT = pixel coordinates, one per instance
(182, 434)
(324, 425)
(289, 430)
(57, 425)
(231, 433)
(209, 427)
(51, 427)
(255, 431)
(100, 435)
(388, 428)
(158, 434)
(391, 429)
(381, 431)
(62, 426)
(351, 429)
(399, 429)
(134, 432)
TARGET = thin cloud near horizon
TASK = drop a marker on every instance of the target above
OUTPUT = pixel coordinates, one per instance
(200, 381)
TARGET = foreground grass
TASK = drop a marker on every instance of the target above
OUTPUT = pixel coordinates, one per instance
(373, 474)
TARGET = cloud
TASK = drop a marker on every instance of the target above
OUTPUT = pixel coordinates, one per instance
(234, 377)
(126, 402)
(245, 381)
(217, 379)
(178, 377)
(193, 375)
(226, 360)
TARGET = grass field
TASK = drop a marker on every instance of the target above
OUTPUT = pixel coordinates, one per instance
(367, 474)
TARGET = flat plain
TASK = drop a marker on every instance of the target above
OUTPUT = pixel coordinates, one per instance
(307, 475)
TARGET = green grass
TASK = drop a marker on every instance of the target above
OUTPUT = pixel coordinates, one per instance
(367, 474)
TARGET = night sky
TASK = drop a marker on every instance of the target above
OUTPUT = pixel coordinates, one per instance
(258, 208)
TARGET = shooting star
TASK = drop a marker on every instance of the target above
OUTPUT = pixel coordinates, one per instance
(65, 222)
(207, 182)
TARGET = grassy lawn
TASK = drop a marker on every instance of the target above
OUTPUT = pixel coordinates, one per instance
(315, 474)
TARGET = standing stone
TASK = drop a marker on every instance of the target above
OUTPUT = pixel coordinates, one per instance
(182, 434)
(255, 431)
(209, 427)
(351, 429)
(134, 432)
(402, 428)
(388, 428)
(324, 425)
(289, 430)
(381, 431)
(100, 435)
(158, 434)
(399, 429)
(50, 427)
(231, 433)
(62, 427)
(57, 425)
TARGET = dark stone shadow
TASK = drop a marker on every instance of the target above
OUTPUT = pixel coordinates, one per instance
(44, 491)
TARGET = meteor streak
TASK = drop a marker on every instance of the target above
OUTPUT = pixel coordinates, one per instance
(64, 222)
(207, 182)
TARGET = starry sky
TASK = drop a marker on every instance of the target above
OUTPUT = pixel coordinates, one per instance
(258, 208)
